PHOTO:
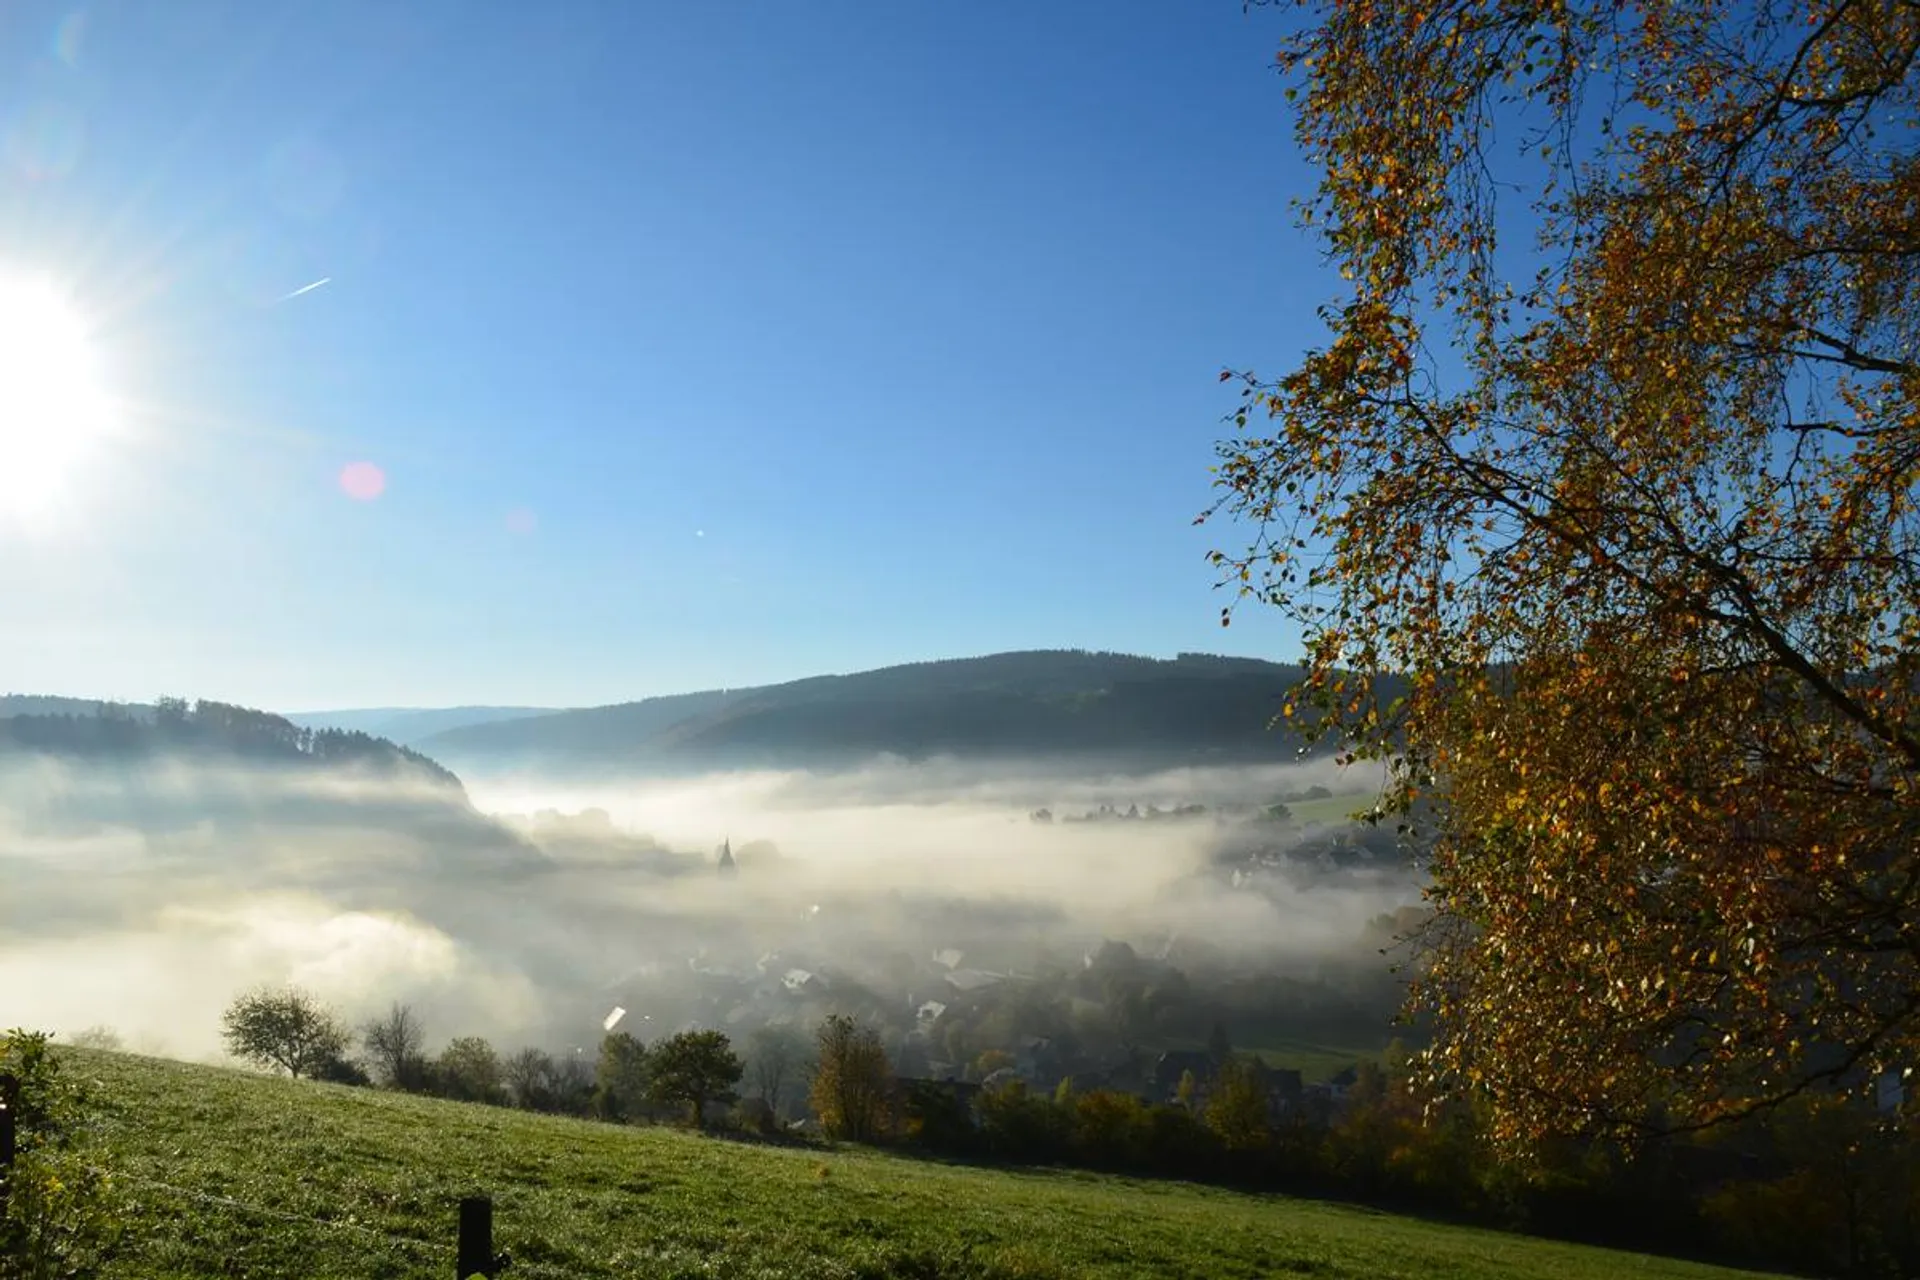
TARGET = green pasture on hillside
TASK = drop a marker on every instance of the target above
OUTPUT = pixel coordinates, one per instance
(222, 1173)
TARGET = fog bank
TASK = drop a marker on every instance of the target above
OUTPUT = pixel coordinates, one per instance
(145, 899)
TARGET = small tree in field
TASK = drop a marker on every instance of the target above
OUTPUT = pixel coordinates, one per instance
(98, 1037)
(776, 1057)
(570, 1083)
(852, 1083)
(620, 1077)
(470, 1070)
(530, 1078)
(1237, 1110)
(286, 1029)
(393, 1043)
(693, 1067)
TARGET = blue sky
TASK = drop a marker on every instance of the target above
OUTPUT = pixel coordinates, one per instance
(696, 344)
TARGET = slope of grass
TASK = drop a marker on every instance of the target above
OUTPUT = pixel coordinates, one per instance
(1315, 1062)
(1333, 811)
(226, 1174)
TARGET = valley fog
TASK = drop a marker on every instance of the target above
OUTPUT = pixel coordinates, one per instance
(956, 906)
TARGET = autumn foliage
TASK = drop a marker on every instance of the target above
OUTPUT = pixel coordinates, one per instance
(852, 1081)
(1610, 452)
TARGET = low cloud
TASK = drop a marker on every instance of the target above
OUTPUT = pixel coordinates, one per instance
(146, 898)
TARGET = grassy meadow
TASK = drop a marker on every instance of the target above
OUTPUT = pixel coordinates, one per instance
(1331, 811)
(1314, 1061)
(222, 1173)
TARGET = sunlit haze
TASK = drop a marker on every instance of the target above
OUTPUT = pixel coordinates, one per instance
(408, 370)
(54, 411)
(565, 354)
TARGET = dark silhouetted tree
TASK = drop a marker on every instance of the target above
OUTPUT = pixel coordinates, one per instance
(529, 1078)
(393, 1043)
(776, 1056)
(1219, 1047)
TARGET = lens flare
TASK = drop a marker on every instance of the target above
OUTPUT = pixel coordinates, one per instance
(54, 409)
(362, 481)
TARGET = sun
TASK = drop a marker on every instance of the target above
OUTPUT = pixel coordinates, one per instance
(54, 408)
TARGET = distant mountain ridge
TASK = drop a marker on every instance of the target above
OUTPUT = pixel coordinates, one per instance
(1056, 703)
(1072, 705)
(410, 725)
(28, 704)
(403, 726)
(249, 780)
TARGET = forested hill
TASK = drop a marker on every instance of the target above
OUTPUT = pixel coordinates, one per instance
(245, 788)
(408, 725)
(26, 704)
(1190, 709)
(172, 727)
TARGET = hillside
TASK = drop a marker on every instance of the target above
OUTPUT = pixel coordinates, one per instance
(237, 776)
(1056, 704)
(207, 731)
(223, 1173)
(584, 734)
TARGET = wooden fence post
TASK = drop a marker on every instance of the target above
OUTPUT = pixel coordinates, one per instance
(476, 1239)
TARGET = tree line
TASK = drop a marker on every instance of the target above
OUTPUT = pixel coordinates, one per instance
(679, 1077)
(1818, 1184)
(208, 727)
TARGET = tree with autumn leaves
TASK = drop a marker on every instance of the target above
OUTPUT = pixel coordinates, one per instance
(1608, 461)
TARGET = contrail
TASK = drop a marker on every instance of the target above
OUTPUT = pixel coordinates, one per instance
(309, 288)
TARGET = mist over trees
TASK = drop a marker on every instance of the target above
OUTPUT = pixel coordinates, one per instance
(1594, 509)
(777, 1064)
(205, 728)
(385, 891)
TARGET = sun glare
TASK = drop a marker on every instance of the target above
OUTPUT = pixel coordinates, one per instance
(54, 410)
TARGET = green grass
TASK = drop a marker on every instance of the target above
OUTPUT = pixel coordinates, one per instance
(1315, 1062)
(1334, 810)
(344, 1183)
